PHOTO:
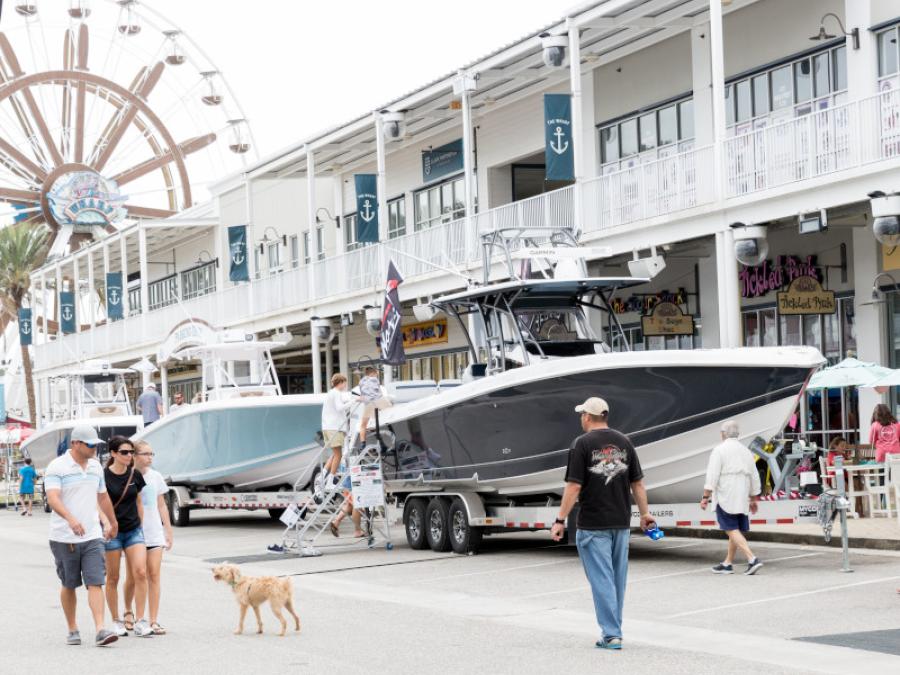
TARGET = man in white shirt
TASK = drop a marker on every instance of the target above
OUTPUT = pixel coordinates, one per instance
(334, 422)
(178, 403)
(75, 490)
(732, 478)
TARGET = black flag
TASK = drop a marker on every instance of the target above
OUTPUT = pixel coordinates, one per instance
(391, 335)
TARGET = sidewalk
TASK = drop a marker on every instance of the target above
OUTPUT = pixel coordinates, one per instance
(873, 533)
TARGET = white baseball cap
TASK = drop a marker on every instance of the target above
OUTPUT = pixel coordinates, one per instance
(86, 434)
(593, 406)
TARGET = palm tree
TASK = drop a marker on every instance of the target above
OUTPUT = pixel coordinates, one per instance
(22, 248)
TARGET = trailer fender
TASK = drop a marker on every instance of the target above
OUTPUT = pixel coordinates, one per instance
(180, 494)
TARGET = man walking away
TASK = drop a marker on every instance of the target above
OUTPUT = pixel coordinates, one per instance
(150, 405)
(602, 475)
(75, 489)
(732, 479)
(27, 478)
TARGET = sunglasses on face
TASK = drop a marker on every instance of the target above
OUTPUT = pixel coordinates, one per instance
(125, 452)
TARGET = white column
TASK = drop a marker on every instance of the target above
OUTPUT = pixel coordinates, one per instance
(577, 132)
(164, 386)
(465, 83)
(709, 300)
(57, 313)
(76, 293)
(219, 248)
(343, 352)
(717, 73)
(311, 223)
(732, 314)
(92, 290)
(722, 289)
(590, 138)
(123, 254)
(316, 352)
(145, 269)
(871, 328)
(701, 77)
(380, 187)
(38, 397)
(862, 63)
(45, 315)
(329, 363)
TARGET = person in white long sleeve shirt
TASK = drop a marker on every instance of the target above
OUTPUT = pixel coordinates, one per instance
(334, 421)
(733, 482)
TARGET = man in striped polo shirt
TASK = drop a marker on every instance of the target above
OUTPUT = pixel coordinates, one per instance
(75, 489)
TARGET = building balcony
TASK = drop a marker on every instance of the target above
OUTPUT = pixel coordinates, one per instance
(835, 142)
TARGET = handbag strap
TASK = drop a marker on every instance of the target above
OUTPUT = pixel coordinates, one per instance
(125, 491)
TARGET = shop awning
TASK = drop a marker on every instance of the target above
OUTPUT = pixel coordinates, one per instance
(851, 373)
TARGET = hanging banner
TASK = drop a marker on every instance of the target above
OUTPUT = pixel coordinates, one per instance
(67, 311)
(558, 150)
(442, 161)
(667, 319)
(114, 296)
(25, 326)
(366, 208)
(237, 250)
(805, 295)
(392, 352)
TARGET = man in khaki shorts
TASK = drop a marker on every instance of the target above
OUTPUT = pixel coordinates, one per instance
(334, 424)
(75, 490)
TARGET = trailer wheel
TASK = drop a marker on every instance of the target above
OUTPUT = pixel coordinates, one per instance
(179, 515)
(45, 501)
(414, 523)
(437, 525)
(275, 514)
(464, 538)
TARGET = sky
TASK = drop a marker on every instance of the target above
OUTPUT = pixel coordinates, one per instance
(300, 66)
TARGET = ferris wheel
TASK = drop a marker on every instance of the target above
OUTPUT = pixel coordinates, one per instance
(109, 113)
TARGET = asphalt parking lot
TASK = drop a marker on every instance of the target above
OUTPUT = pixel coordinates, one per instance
(522, 606)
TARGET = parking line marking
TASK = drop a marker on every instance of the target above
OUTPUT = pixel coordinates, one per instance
(582, 589)
(496, 571)
(789, 596)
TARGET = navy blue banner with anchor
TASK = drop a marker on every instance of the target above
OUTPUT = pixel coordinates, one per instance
(558, 151)
(67, 311)
(114, 296)
(237, 253)
(25, 327)
(366, 207)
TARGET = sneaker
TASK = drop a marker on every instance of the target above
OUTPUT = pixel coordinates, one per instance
(753, 567)
(722, 568)
(105, 637)
(610, 643)
(119, 629)
(142, 629)
(74, 638)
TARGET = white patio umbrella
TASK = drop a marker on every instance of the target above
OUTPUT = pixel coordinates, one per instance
(851, 373)
(890, 380)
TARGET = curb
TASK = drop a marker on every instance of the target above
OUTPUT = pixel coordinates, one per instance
(791, 538)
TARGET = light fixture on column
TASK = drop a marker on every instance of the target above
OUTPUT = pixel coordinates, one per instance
(336, 219)
(554, 49)
(810, 222)
(886, 217)
(750, 244)
(823, 34)
(878, 296)
(266, 241)
(209, 258)
(322, 329)
(373, 320)
(392, 122)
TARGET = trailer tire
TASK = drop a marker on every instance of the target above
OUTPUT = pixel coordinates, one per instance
(414, 523)
(179, 515)
(437, 525)
(464, 538)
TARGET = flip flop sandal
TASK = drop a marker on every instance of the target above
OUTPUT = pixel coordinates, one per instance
(157, 629)
(334, 530)
(129, 623)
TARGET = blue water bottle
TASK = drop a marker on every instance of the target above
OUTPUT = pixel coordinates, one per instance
(655, 533)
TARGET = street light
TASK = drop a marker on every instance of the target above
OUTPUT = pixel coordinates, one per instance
(878, 296)
(336, 219)
(825, 35)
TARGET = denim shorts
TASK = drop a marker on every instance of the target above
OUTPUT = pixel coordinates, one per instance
(732, 521)
(125, 540)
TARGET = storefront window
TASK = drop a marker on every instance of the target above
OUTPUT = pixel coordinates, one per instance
(802, 81)
(888, 52)
(751, 329)
(782, 94)
(790, 330)
(848, 327)
(769, 327)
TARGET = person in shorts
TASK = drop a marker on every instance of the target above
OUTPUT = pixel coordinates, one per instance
(157, 533)
(124, 483)
(334, 422)
(76, 491)
(373, 396)
(27, 478)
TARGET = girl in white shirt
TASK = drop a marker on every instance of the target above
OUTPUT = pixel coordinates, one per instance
(334, 421)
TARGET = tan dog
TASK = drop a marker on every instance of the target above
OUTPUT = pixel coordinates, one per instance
(254, 591)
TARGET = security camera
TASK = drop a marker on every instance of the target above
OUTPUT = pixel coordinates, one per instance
(886, 217)
(373, 321)
(392, 123)
(750, 244)
(322, 329)
(554, 48)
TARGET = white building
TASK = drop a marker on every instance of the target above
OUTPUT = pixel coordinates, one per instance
(688, 116)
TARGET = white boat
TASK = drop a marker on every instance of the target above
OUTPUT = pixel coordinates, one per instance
(245, 434)
(95, 394)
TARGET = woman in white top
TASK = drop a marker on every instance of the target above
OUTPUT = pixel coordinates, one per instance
(334, 421)
(157, 530)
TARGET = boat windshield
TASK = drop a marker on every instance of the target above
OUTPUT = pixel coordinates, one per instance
(553, 332)
(99, 388)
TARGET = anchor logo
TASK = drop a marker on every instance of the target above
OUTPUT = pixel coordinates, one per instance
(67, 313)
(367, 213)
(114, 296)
(237, 254)
(560, 146)
(26, 327)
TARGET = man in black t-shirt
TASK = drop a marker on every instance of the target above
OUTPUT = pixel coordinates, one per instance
(602, 475)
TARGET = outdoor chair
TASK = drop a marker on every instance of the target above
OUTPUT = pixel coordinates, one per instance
(878, 489)
(828, 480)
(892, 481)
